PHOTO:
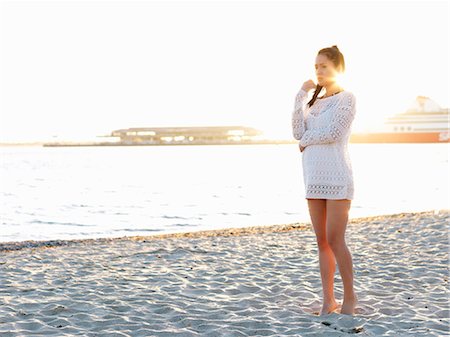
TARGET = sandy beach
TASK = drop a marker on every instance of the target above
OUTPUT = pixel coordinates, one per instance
(259, 281)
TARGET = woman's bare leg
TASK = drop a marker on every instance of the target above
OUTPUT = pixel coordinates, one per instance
(327, 262)
(337, 217)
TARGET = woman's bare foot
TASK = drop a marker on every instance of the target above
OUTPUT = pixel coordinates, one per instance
(348, 306)
(328, 308)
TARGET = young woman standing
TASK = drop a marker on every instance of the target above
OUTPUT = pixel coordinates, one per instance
(323, 126)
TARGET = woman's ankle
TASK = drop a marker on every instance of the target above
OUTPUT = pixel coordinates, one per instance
(350, 297)
(330, 300)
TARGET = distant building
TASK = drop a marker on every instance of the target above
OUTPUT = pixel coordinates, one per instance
(189, 135)
(195, 135)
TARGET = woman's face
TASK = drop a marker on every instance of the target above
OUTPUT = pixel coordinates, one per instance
(326, 72)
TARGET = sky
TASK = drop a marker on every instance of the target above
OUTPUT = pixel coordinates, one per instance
(80, 69)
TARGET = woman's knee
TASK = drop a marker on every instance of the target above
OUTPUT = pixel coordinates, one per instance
(336, 243)
(322, 243)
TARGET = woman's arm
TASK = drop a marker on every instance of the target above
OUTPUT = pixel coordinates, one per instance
(298, 118)
(342, 120)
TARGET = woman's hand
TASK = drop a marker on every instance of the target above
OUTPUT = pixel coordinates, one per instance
(302, 148)
(308, 85)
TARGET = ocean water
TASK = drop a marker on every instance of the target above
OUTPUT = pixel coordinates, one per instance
(92, 192)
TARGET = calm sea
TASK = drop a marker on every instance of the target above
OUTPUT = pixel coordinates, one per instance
(91, 192)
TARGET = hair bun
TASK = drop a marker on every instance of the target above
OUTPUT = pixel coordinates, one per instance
(334, 46)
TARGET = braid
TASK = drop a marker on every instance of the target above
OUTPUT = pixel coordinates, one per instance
(316, 93)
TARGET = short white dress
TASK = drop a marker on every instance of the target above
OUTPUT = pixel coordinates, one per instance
(324, 130)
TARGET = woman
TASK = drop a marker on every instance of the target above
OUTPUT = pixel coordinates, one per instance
(323, 127)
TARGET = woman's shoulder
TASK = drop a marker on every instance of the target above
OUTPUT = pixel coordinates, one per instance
(348, 93)
(348, 96)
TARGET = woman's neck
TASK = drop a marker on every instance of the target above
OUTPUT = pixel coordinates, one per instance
(332, 89)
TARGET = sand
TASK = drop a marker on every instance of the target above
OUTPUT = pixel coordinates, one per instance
(259, 281)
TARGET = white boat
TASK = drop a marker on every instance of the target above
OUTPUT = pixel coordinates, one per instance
(424, 122)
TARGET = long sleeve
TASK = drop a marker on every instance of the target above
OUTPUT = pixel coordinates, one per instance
(340, 124)
(298, 118)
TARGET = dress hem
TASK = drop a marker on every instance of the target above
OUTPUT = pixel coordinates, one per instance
(318, 198)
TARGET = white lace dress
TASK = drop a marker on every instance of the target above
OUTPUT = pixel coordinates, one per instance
(324, 130)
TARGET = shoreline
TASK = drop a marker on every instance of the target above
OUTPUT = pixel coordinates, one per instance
(9, 246)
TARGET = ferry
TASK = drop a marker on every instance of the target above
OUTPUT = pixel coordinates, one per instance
(424, 122)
